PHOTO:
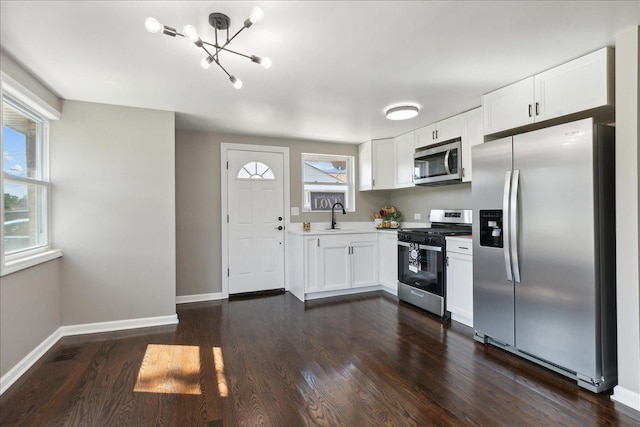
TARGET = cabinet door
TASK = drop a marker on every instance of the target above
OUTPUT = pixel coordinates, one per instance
(383, 164)
(460, 287)
(388, 260)
(450, 128)
(508, 107)
(404, 146)
(365, 166)
(364, 262)
(473, 135)
(425, 136)
(578, 85)
(311, 263)
(333, 263)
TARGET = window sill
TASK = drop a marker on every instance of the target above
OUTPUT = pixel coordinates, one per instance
(30, 261)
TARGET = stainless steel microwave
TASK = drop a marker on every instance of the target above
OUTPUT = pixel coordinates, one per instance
(437, 165)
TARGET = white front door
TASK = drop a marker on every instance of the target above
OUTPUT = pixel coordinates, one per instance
(255, 200)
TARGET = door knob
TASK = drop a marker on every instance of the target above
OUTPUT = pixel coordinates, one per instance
(279, 218)
(279, 227)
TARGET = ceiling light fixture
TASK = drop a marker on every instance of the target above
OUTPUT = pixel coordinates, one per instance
(218, 21)
(402, 112)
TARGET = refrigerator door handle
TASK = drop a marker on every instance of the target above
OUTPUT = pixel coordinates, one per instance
(513, 223)
(505, 225)
(446, 162)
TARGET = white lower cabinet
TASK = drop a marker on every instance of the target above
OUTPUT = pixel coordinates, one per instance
(332, 262)
(460, 279)
(388, 260)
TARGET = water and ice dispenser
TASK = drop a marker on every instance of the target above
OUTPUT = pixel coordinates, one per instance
(491, 228)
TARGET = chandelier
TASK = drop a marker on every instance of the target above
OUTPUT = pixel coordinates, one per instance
(219, 21)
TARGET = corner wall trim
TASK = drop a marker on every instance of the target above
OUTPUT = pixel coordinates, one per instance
(626, 397)
(185, 299)
(89, 328)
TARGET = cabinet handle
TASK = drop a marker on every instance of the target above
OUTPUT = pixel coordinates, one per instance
(462, 247)
(537, 108)
(447, 261)
(436, 133)
(433, 134)
(373, 182)
(529, 110)
(318, 242)
(463, 172)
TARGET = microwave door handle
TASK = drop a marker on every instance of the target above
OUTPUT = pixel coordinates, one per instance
(446, 162)
(505, 225)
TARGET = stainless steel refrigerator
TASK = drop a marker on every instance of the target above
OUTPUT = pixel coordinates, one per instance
(544, 249)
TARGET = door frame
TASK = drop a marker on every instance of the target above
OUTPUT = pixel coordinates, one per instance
(225, 147)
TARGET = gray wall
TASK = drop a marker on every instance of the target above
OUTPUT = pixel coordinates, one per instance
(198, 201)
(421, 200)
(30, 311)
(30, 304)
(113, 174)
(627, 211)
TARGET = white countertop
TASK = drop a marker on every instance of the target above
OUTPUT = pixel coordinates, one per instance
(323, 229)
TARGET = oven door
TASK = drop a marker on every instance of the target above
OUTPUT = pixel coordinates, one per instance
(422, 267)
(440, 163)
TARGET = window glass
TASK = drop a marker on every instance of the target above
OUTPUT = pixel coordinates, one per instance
(256, 170)
(24, 184)
(327, 179)
(20, 148)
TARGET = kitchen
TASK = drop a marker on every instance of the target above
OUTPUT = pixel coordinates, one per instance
(194, 157)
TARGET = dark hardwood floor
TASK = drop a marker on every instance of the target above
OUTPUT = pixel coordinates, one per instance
(361, 360)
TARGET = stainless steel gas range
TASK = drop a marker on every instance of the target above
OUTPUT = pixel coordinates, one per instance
(421, 259)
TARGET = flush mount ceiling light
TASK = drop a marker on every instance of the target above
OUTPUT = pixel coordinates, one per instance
(402, 112)
(221, 22)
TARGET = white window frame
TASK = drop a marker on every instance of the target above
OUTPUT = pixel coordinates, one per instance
(324, 187)
(38, 110)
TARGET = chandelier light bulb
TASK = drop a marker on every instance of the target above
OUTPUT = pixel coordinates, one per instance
(256, 15)
(192, 34)
(266, 63)
(152, 25)
(206, 62)
(237, 83)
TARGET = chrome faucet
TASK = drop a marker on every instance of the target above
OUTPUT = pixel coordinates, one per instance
(333, 214)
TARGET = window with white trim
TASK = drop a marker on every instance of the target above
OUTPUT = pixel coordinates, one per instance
(327, 179)
(25, 181)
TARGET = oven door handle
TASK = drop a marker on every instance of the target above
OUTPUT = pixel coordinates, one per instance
(425, 247)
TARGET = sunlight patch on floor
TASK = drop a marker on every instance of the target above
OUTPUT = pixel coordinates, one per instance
(171, 369)
(218, 362)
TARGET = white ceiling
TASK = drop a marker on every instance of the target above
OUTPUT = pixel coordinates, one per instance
(336, 65)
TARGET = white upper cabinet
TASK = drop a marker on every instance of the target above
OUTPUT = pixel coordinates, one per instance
(441, 131)
(580, 85)
(404, 149)
(365, 166)
(509, 107)
(376, 170)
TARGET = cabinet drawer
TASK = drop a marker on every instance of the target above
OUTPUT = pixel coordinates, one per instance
(460, 246)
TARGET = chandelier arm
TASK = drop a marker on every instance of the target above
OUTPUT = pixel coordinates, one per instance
(223, 69)
(234, 36)
(219, 48)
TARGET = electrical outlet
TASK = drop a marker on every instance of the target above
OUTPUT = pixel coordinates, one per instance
(417, 216)
(295, 211)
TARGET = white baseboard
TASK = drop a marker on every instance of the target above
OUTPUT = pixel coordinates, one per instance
(390, 290)
(184, 299)
(23, 366)
(626, 397)
(118, 325)
(89, 328)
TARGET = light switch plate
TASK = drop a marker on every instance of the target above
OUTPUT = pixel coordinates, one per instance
(417, 216)
(295, 211)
